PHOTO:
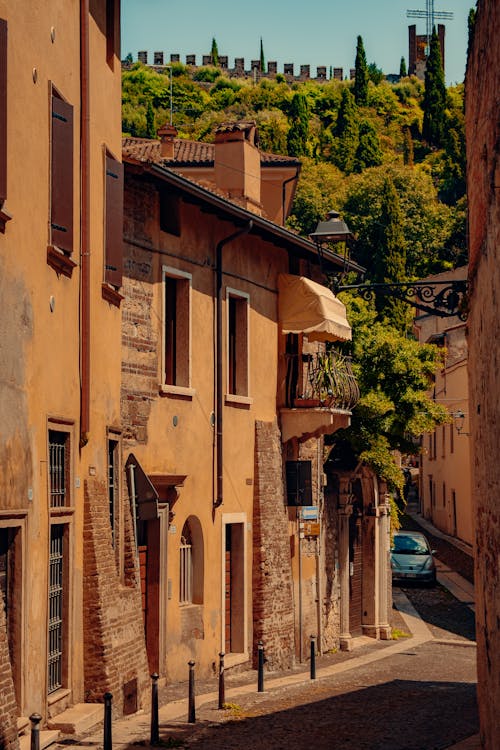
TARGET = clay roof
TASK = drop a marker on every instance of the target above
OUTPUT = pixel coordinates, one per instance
(190, 153)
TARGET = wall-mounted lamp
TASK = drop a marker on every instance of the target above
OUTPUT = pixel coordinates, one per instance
(459, 422)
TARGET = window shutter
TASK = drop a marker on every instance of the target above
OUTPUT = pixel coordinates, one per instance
(114, 222)
(3, 110)
(61, 217)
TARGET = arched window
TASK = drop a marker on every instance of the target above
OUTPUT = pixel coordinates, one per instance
(186, 567)
(191, 564)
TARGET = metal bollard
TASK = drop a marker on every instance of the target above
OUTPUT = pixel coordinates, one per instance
(155, 727)
(222, 692)
(260, 674)
(191, 708)
(108, 739)
(313, 657)
(35, 731)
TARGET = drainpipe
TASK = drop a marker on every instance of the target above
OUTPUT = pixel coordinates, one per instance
(84, 226)
(218, 356)
(283, 195)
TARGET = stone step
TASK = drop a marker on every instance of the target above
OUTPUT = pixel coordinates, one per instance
(77, 719)
(23, 724)
(47, 737)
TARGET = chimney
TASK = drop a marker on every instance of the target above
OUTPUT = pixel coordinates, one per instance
(166, 134)
(237, 164)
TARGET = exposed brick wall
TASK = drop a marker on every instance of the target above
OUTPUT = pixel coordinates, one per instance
(483, 177)
(139, 335)
(8, 706)
(114, 645)
(272, 582)
(331, 586)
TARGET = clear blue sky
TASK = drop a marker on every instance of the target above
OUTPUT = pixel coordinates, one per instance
(302, 32)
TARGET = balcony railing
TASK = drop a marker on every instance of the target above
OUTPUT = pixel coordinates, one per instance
(323, 379)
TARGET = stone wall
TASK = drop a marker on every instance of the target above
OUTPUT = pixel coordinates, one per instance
(483, 177)
(273, 620)
(8, 707)
(114, 645)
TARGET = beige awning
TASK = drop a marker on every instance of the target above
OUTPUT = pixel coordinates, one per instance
(310, 308)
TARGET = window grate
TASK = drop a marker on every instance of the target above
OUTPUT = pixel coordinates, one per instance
(112, 484)
(57, 468)
(56, 595)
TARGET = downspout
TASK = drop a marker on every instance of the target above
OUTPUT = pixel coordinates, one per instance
(218, 357)
(283, 194)
(84, 226)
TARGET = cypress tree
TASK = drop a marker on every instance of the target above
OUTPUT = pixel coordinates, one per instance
(408, 154)
(402, 68)
(347, 133)
(390, 256)
(361, 75)
(434, 101)
(299, 126)
(150, 121)
(262, 58)
(368, 153)
(214, 53)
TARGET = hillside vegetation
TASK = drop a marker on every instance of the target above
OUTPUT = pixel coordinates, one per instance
(364, 154)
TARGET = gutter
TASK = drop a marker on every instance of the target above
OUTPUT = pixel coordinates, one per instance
(294, 178)
(218, 360)
(268, 229)
(84, 226)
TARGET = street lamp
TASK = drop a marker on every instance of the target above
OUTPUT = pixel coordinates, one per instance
(445, 299)
(459, 422)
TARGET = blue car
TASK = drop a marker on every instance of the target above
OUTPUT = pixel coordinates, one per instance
(412, 558)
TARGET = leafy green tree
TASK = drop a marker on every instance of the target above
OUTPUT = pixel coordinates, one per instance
(368, 152)
(262, 58)
(394, 373)
(299, 126)
(129, 59)
(318, 191)
(402, 68)
(375, 74)
(427, 224)
(214, 53)
(434, 102)
(361, 76)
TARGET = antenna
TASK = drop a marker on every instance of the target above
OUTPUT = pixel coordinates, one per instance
(430, 15)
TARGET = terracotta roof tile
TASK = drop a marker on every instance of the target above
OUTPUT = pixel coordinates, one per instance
(189, 153)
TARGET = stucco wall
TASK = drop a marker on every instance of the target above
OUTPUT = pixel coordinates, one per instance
(483, 176)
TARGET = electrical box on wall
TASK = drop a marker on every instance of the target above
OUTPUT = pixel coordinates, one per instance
(298, 483)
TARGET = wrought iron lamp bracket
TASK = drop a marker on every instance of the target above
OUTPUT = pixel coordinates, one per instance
(445, 299)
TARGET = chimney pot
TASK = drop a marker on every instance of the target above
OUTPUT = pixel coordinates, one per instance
(166, 134)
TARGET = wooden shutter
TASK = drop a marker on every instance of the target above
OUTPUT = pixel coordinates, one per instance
(61, 217)
(114, 222)
(3, 110)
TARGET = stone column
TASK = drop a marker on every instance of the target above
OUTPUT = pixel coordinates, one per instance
(383, 566)
(344, 511)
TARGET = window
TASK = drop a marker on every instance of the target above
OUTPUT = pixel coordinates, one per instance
(59, 469)
(61, 196)
(191, 564)
(444, 495)
(57, 572)
(169, 212)
(113, 263)
(298, 483)
(237, 343)
(113, 485)
(3, 121)
(177, 327)
(186, 567)
(112, 32)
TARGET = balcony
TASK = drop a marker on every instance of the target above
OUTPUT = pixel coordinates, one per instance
(321, 391)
